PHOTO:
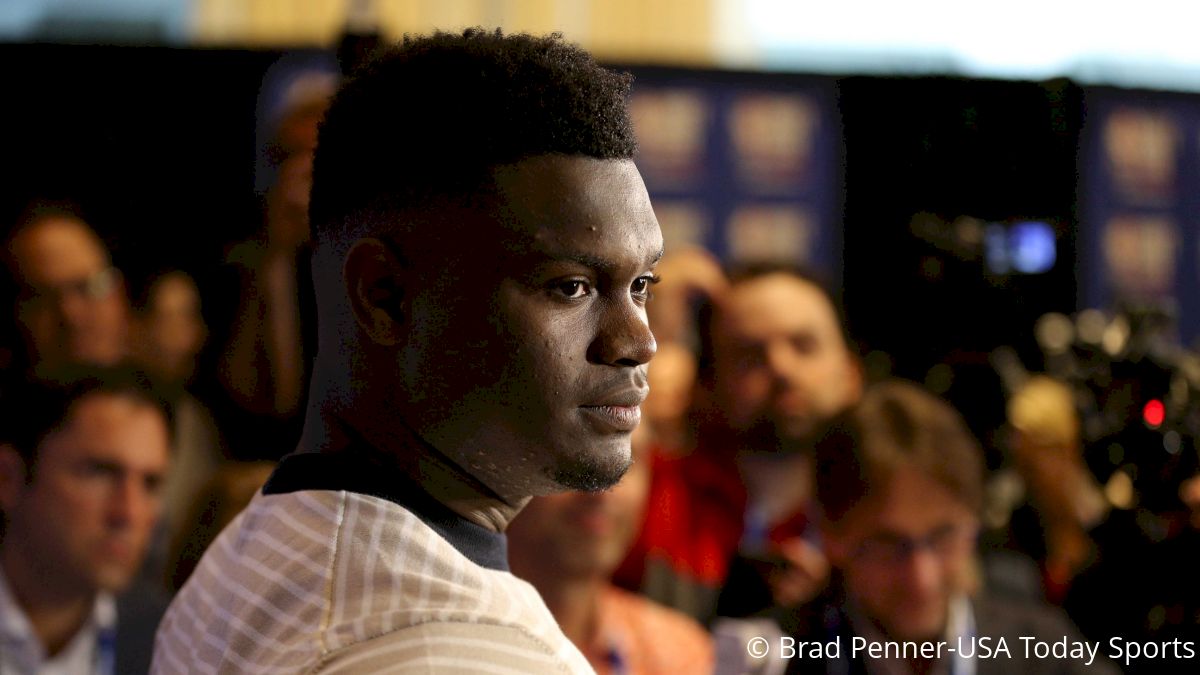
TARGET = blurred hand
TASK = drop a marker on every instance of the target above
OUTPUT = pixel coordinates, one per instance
(694, 270)
(687, 274)
(803, 578)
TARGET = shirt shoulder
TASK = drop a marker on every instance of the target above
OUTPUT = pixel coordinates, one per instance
(304, 575)
(260, 596)
(450, 648)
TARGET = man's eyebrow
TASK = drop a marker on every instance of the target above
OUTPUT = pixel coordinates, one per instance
(106, 465)
(603, 264)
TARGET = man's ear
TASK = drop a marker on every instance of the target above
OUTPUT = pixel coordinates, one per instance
(375, 284)
(12, 476)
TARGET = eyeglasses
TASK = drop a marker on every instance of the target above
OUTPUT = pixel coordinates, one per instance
(889, 549)
(96, 286)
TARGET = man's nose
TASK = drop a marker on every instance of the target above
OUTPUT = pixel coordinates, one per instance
(72, 308)
(922, 569)
(782, 361)
(624, 337)
(130, 504)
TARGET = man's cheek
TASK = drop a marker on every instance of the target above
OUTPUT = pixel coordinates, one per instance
(749, 395)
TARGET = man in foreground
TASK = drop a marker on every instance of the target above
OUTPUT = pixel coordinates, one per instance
(484, 248)
(81, 467)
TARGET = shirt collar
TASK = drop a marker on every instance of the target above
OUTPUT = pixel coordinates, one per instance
(350, 470)
(19, 642)
(960, 623)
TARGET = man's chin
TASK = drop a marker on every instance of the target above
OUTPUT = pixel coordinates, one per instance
(112, 579)
(775, 436)
(593, 470)
(919, 626)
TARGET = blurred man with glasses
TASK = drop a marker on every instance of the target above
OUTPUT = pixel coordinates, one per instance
(71, 302)
(73, 311)
(900, 487)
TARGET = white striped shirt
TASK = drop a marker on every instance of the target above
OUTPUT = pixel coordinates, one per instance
(329, 581)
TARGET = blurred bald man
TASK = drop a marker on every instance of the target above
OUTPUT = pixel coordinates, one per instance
(71, 302)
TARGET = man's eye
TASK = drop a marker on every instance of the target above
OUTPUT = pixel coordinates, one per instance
(641, 286)
(153, 485)
(573, 289)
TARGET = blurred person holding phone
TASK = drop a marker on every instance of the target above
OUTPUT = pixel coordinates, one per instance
(775, 364)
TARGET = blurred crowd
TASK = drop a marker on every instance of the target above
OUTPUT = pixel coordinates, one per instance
(778, 489)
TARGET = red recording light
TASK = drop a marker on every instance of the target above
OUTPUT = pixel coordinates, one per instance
(1154, 413)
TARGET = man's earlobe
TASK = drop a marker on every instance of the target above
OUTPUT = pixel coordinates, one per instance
(374, 279)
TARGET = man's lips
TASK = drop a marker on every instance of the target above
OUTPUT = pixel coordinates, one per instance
(619, 411)
(619, 417)
(118, 550)
(790, 403)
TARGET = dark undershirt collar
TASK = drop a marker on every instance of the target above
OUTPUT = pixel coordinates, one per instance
(352, 471)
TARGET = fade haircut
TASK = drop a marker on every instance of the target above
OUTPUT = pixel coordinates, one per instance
(897, 424)
(426, 122)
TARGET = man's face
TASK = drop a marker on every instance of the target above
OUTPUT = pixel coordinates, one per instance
(173, 327)
(532, 365)
(904, 551)
(780, 364)
(72, 307)
(87, 514)
(584, 534)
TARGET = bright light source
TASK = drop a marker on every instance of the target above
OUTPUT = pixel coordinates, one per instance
(1154, 413)
(1092, 41)
(1032, 247)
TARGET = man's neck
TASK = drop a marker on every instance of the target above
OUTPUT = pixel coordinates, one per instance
(957, 623)
(396, 446)
(55, 611)
(780, 485)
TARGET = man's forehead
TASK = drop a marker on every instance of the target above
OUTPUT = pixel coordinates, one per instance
(775, 303)
(57, 247)
(104, 413)
(907, 504)
(592, 212)
(605, 256)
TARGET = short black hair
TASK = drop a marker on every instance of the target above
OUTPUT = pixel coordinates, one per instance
(33, 408)
(428, 120)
